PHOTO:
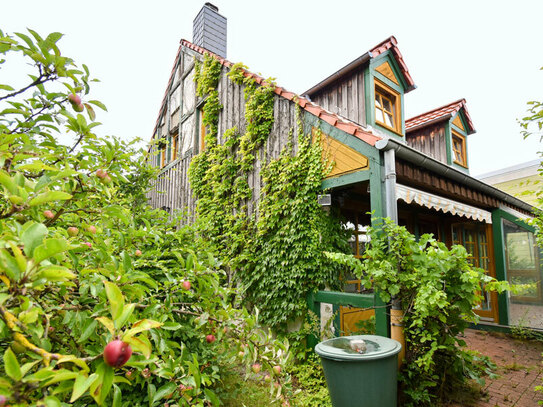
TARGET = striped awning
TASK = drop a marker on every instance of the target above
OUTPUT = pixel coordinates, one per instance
(439, 203)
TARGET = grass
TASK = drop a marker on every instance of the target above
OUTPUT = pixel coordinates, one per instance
(238, 392)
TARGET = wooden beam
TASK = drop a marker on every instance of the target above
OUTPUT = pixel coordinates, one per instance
(346, 179)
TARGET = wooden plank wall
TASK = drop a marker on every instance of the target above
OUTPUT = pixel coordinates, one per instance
(430, 140)
(345, 97)
(173, 188)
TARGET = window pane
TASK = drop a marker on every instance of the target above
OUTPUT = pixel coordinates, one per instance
(389, 120)
(387, 105)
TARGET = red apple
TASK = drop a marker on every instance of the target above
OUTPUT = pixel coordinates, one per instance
(267, 378)
(3, 400)
(146, 373)
(241, 354)
(138, 252)
(72, 231)
(48, 214)
(74, 99)
(106, 179)
(117, 353)
(256, 368)
(186, 285)
(101, 173)
(277, 370)
(210, 338)
(78, 108)
(88, 244)
(92, 229)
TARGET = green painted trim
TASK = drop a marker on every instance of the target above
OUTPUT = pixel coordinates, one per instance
(460, 167)
(514, 219)
(369, 94)
(346, 179)
(346, 299)
(350, 141)
(448, 142)
(499, 264)
(492, 328)
(387, 55)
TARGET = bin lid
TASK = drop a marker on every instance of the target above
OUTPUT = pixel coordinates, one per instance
(377, 347)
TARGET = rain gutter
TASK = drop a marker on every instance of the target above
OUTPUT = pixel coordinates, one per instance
(415, 157)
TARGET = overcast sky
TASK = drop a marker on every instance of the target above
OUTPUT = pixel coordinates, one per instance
(488, 52)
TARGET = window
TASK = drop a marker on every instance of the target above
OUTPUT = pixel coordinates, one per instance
(202, 132)
(459, 149)
(174, 147)
(387, 107)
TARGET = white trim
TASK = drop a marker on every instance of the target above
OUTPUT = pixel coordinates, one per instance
(439, 203)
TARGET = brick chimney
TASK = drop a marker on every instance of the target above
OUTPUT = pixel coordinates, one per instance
(209, 30)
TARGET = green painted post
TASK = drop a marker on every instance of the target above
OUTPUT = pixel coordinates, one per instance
(499, 259)
(314, 307)
(382, 322)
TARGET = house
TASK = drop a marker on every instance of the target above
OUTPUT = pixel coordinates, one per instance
(520, 180)
(415, 171)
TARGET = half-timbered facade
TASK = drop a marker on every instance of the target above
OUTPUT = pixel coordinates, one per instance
(415, 171)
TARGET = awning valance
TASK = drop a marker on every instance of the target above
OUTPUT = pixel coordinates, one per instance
(439, 203)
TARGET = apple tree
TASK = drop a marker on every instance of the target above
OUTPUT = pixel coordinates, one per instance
(102, 299)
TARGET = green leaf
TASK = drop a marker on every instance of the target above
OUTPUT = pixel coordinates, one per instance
(115, 298)
(82, 383)
(125, 315)
(49, 197)
(140, 344)
(117, 396)
(89, 330)
(127, 262)
(6, 87)
(50, 247)
(108, 323)
(11, 366)
(99, 104)
(52, 401)
(32, 237)
(56, 273)
(140, 326)
(164, 391)
(8, 182)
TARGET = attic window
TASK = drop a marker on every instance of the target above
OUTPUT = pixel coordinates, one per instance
(459, 149)
(387, 107)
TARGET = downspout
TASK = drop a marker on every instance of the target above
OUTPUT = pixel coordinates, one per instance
(391, 207)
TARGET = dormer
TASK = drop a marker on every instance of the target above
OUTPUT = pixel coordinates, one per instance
(442, 134)
(370, 90)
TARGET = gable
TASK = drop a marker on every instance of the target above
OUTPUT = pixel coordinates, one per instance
(386, 70)
(343, 158)
(458, 122)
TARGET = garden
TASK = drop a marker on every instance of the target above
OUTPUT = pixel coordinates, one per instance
(106, 301)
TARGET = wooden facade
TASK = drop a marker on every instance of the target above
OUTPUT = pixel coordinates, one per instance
(346, 97)
(430, 140)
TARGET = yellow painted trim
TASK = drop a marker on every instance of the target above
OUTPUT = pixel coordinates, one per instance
(342, 157)
(380, 87)
(458, 122)
(464, 152)
(386, 70)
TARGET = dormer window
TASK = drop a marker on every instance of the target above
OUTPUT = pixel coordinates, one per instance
(387, 107)
(459, 149)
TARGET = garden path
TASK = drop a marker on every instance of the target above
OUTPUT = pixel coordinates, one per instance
(519, 367)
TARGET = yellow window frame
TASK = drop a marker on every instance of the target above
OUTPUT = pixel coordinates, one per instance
(386, 93)
(458, 143)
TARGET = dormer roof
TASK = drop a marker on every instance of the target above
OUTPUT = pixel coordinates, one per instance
(389, 44)
(439, 114)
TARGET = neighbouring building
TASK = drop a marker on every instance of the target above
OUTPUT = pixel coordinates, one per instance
(521, 180)
(414, 170)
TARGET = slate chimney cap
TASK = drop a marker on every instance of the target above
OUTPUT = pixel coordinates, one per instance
(212, 6)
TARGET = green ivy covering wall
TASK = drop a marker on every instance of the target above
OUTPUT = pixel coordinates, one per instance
(277, 257)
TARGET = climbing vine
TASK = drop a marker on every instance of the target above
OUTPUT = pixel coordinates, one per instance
(277, 256)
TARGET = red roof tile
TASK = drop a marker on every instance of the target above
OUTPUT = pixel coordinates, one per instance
(440, 113)
(392, 44)
(316, 110)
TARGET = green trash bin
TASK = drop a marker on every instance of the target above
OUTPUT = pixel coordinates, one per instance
(364, 378)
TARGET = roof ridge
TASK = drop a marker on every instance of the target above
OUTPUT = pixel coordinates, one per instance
(460, 102)
(334, 119)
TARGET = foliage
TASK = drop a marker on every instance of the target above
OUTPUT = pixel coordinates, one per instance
(277, 256)
(310, 383)
(83, 261)
(438, 289)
